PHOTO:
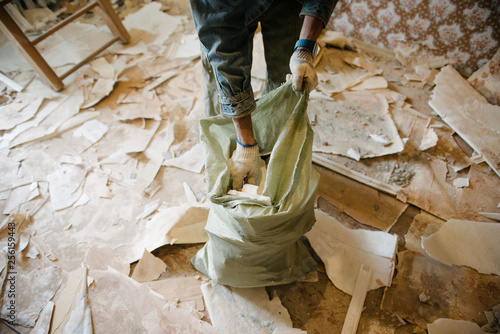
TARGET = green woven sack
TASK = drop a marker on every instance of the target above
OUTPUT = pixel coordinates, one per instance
(250, 243)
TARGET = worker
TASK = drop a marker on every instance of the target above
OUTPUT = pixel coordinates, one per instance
(226, 28)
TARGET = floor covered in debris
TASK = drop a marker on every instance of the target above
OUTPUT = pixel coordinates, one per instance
(103, 193)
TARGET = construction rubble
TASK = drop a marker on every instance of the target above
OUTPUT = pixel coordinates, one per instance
(104, 199)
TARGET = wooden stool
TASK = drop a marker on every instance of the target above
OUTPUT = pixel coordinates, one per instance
(35, 59)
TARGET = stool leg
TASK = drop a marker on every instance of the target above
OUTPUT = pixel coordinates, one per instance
(112, 20)
(29, 52)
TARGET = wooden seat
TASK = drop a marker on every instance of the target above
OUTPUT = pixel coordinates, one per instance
(28, 48)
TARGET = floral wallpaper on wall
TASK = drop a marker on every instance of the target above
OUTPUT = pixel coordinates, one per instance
(466, 32)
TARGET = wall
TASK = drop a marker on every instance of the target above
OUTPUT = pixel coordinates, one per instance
(467, 32)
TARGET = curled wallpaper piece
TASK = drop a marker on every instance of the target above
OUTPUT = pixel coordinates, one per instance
(429, 139)
(449, 100)
(176, 224)
(423, 224)
(372, 83)
(66, 302)
(150, 18)
(450, 326)
(477, 241)
(148, 268)
(101, 66)
(122, 305)
(43, 323)
(183, 290)
(16, 113)
(92, 130)
(36, 282)
(100, 258)
(80, 319)
(344, 250)
(191, 160)
(485, 113)
(102, 88)
(49, 119)
(66, 186)
(246, 310)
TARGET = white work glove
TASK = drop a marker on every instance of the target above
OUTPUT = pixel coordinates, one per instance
(303, 70)
(244, 162)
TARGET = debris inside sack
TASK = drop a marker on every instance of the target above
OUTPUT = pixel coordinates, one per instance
(251, 191)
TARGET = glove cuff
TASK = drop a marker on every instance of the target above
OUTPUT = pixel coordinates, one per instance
(306, 43)
(246, 153)
(246, 145)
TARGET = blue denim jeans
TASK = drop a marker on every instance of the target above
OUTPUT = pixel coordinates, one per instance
(280, 27)
(226, 30)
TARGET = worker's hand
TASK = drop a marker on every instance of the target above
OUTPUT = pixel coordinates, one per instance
(303, 70)
(245, 162)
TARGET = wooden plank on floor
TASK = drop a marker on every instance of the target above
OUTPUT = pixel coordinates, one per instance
(365, 204)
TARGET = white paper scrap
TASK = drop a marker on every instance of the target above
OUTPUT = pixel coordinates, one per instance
(354, 154)
(105, 69)
(380, 139)
(485, 113)
(102, 88)
(84, 199)
(66, 186)
(450, 326)
(48, 119)
(191, 197)
(477, 242)
(191, 161)
(150, 18)
(80, 319)
(189, 47)
(429, 139)
(92, 130)
(43, 323)
(376, 82)
(461, 182)
(149, 209)
(250, 191)
(177, 224)
(14, 114)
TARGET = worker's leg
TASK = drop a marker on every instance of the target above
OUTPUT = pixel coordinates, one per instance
(210, 94)
(281, 26)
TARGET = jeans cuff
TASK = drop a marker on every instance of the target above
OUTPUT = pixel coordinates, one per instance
(238, 106)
